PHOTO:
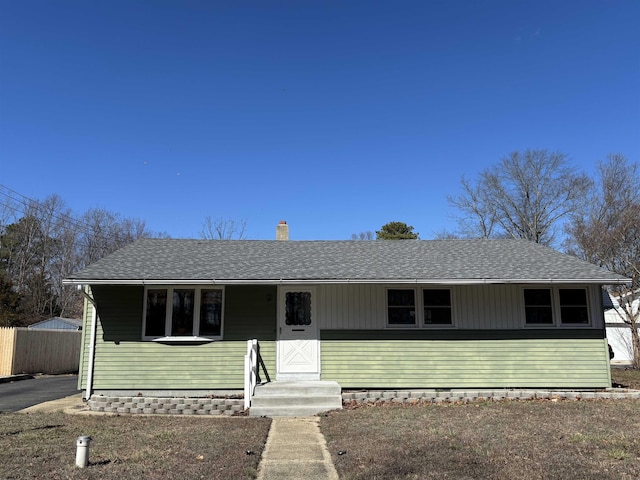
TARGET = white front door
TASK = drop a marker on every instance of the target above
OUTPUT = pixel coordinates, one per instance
(298, 344)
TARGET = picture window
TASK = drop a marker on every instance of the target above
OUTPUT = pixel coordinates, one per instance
(176, 312)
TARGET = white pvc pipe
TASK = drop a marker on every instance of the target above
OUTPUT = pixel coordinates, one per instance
(82, 451)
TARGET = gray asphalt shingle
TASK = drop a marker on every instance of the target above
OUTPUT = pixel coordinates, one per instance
(405, 260)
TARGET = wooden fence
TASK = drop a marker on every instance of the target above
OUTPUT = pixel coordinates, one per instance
(38, 351)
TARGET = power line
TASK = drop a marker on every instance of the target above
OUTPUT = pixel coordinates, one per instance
(14, 197)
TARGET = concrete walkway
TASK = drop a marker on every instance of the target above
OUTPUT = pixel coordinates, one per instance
(296, 449)
(71, 404)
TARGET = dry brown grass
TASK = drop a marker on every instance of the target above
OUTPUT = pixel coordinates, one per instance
(43, 445)
(492, 440)
(626, 377)
(501, 440)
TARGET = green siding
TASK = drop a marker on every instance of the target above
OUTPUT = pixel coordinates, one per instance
(356, 357)
(550, 363)
(123, 361)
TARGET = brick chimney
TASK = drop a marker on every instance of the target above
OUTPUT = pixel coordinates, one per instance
(282, 231)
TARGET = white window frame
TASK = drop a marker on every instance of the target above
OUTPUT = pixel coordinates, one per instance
(422, 307)
(587, 305)
(196, 337)
(416, 302)
(556, 307)
(418, 295)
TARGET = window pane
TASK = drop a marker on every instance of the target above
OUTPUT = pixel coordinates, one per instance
(182, 319)
(210, 312)
(537, 296)
(573, 305)
(156, 314)
(402, 316)
(573, 296)
(397, 298)
(437, 316)
(437, 298)
(401, 307)
(298, 308)
(539, 315)
(537, 306)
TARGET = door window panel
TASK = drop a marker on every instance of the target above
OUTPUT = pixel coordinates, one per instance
(298, 308)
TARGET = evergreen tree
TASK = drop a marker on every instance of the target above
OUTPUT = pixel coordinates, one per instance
(396, 231)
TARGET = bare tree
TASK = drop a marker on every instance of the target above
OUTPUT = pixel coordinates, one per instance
(526, 195)
(445, 234)
(43, 245)
(31, 253)
(103, 232)
(606, 231)
(478, 217)
(223, 229)
(368, 235)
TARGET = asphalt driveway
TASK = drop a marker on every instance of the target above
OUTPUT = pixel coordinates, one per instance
(21, 394)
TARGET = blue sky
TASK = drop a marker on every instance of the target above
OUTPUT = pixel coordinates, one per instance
(337, 117)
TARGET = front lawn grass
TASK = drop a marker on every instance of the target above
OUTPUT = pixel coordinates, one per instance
(43, 445)
(491, 440)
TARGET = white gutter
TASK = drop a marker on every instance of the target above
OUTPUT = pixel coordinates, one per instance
(466, 281)
(92, 346)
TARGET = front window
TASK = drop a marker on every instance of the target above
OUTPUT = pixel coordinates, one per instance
(573, 306)
(437, 306)
(401, 307)
(553, 306)
(156, 312)
(211, 312)
(183, 312)
(537, 306)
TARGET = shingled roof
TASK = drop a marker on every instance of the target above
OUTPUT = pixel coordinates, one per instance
(153, 261)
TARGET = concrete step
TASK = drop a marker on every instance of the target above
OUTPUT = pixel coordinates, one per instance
(309, 388)
(295, 399)
(333, 401)
(300, 411)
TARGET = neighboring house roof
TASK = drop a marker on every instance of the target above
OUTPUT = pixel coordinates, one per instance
(153, 261)
(612, 302)
(58, 323)
(608, 302)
